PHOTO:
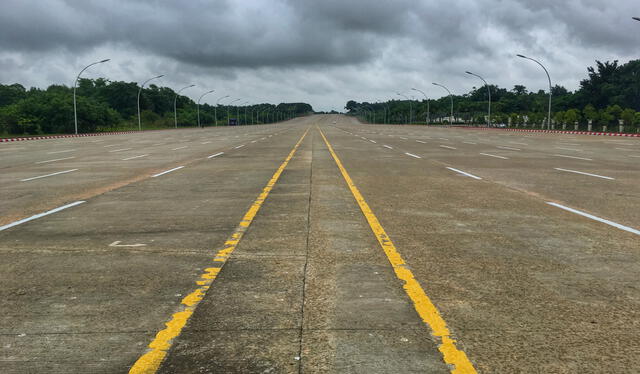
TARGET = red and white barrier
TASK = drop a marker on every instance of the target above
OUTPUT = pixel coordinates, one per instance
(554, 131)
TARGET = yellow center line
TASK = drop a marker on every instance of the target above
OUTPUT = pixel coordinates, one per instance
(453, 356)
(149, 362)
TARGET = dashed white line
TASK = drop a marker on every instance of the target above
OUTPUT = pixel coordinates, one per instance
(216, 155)
(576, 157)
(111, 145)
(134, 157)
(54, 160)
(65, 151)
(412, 155)
(403, 138)
(16, 223)
(388, 146)
(464, 173)
(157, 144)
(420, 141)
(509, 148)
(583, 173)
(496, 156)
(605, 221)
(175, 149)
(120, 150)
(253, 141)
(570, 149)
(446, 146)
(519, 143)
(167, 171)
(443, 138)
(48, 175)
(469, 143)
(205, 143)
(373, 141)
(240, 146)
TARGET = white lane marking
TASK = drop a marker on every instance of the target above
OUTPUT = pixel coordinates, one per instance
(464, 173)
(68, 150)
(262, 138)
(117, 244)
(446, 146)
(16, 223)
(253, 141)
(570, 149)
(635, 156)
(120, 150)
(110, 145)
(509, 148)
(496, 156)
(412, 155)
(583, 173)
(154, 145)
(166, 171)
(469, 143)
(240, 146)
(373, 141)
(54, 160)
(519, 143)
(420, 141)
(577, 158)
(205, 143)
(48, 175)
(627, 149)
(98, 141)
(216, 155)
(175, 149)
(388, 146)
(443, 138)
(403, 138)
(605, 221)
(134, 157)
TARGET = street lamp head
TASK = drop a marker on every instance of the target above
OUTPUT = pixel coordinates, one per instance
(636, 18)
(468, 72)
(522, 56)
(105, 60)
(435, 84)
(193, 85)
(160, 76)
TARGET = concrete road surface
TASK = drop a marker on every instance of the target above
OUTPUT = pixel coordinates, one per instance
(320, 245)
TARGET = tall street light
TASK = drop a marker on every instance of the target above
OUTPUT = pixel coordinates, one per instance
(228, 107)
(410, 110)
(488, 92)
(75, 84)
(139, 92)
(426, 98)
(245, 111)
(216, 108)
(200, 98)
(636, 18)
(450, 97)
(549, 78)
(175, 102)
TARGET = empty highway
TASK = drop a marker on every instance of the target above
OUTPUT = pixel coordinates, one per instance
(320, 245)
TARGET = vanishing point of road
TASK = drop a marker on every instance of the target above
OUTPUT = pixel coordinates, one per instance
(320, 245)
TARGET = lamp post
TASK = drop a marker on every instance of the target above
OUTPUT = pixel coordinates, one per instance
(216, 108)
(175, 103)
(426, 98)
(229, 106)
(200, 98)
(245, 111)
(410, 110)
(450, 97)
(549, 78)
(75, 84)
(488, 92)
(636, 18)
(139, 92)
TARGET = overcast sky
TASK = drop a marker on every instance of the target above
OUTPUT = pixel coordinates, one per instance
(323, 52)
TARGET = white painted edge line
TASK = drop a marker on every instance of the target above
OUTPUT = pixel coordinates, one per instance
(605, 221)
(216, 155)
(463, 173)
(496, 156)
(134, 157)
(55, 159)
(68, 150)
(175, 149)
(583, 173)
(577, 158)
(166, 171)
(373, 141)
(509, 148)
(412, 155)
(240, 146)
(446, 146)
(387, 146)
(16, 223)
(420, 141)
(119, 150)
(48, 175)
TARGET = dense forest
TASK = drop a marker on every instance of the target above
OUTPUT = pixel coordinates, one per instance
(103, 105)
(610, 93)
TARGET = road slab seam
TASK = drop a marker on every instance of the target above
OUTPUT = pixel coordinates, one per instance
(159, 346)
(460, 363)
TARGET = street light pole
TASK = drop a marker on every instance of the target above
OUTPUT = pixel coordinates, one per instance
(636, 18)
(549, 78)
(488, 92)
(426, 98)
(450, 97)
(175, 103)
(229, 106)
(200, 98)
(215, 111)
(139, 92)
(75, 84)
(410, 110)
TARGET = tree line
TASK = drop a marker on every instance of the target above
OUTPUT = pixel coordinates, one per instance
(609, 94)
(104, 105)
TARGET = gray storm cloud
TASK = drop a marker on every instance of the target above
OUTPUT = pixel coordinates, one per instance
(328, 50)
